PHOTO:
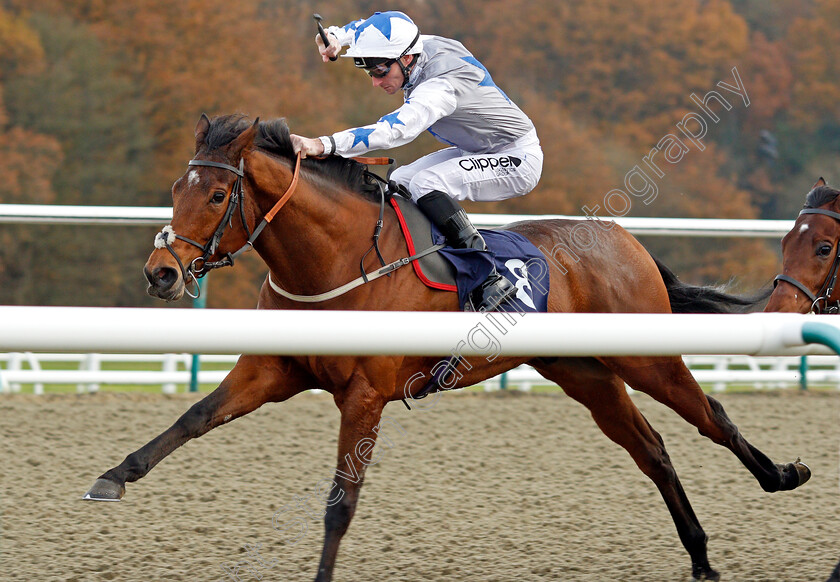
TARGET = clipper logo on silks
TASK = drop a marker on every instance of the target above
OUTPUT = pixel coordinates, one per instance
(501, 166)
(524, 291)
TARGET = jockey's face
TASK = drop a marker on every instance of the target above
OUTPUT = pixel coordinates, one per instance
(393, 80)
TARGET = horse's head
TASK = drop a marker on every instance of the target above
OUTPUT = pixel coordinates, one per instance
(811, 256)
(209, 218)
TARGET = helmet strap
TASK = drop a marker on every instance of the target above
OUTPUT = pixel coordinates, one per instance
(406, 70)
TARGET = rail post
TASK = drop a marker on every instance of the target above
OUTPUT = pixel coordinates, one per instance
(803, 372)
(199, 302)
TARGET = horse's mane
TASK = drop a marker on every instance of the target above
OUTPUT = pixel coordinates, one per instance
(274, 137)
(820, 195)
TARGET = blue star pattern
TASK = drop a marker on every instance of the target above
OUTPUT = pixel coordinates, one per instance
(392, 118)
(487, 81)
(382, 22)
(361, 135)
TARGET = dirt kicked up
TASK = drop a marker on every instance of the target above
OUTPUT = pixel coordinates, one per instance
(478, 488)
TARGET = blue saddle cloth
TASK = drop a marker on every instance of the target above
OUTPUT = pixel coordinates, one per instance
(516, 258)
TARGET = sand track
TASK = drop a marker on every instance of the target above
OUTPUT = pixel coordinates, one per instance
(479, 488)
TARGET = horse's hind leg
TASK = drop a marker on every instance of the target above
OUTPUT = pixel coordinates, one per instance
(252, 382)
(603, 393)
(669, 381)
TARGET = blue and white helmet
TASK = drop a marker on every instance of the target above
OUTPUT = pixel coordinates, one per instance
(385, 35)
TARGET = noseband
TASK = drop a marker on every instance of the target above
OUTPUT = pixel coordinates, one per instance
(819, 302)
(200, 266)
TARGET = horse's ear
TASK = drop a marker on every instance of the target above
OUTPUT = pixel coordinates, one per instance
(819, 183)
(242, 141)
(201, 129)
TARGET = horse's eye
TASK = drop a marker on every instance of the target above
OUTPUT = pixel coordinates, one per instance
(218, 197)
(823, 250)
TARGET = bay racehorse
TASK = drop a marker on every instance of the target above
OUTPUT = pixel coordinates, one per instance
(811, 257)
(232, 193)
(810, 261)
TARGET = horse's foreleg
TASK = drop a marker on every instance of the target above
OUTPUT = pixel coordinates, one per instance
(254, 381)
(617, 416)
(361, 411)
(670, 382)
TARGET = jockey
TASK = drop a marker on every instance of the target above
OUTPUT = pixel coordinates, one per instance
(494, 151)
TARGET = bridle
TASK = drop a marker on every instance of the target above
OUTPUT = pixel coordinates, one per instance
(200, 266)
(830, 280)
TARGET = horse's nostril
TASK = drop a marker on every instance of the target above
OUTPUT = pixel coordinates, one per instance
(162, 278)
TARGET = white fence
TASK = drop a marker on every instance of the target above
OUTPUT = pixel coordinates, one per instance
(88, 371)
(28, 368)
(158, 216)
(418, 333)
(47, 329)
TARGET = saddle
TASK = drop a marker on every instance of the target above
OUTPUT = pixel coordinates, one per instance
(433, 269)
(459, 270)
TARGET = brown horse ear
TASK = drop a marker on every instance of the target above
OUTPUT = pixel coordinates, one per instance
(242, 141)
(819, 183)
(201, 129)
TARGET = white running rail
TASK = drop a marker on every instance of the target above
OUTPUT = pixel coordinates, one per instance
(158, 216)
(89, 371)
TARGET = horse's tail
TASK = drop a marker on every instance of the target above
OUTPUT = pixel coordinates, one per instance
(686, 298)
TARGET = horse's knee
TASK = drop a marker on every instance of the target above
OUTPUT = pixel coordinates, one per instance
(197, 420)
(193, 421)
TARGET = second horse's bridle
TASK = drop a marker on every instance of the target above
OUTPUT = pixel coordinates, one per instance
(830, 280)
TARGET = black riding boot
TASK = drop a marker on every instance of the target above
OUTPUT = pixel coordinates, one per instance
(455, 225)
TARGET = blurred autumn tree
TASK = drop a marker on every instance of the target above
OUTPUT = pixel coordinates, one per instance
(98, 100)
(28, 159)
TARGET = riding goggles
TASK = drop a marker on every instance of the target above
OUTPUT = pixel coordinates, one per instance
(376, 68)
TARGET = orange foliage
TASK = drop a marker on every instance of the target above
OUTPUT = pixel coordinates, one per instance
(770, 80)
(27, 163)
(625, 65)
(603, 81)
(815, 46)
(20, 49)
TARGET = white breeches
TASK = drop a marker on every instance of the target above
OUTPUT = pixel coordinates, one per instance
(510, 172)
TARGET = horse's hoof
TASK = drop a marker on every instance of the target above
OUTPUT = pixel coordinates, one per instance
(803, 470)
(703, 571)
(705, 576)
(794, 475)
(105, 490)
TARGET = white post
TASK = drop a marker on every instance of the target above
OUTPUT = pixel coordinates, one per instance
(781, 364)
(721, 366)
(38, 388)
(15, 364)
(754, 366)
(170, 364)
(91, 363)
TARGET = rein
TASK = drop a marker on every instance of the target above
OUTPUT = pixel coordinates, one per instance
(366, 277)
(830, 281)
(200, 266)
